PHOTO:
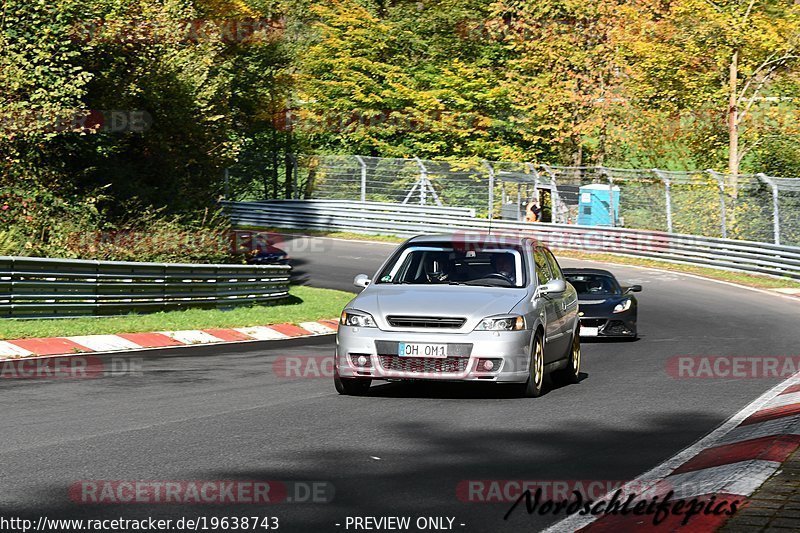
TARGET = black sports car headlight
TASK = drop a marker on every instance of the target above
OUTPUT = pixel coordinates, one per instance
(623, 306)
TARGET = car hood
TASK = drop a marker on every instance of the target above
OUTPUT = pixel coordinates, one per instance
(473, 303)
(599, 305)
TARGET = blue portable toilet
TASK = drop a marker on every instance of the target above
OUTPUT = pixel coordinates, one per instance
(594, 205)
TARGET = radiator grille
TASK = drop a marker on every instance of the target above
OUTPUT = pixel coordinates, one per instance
(434, 322)
(424, 365)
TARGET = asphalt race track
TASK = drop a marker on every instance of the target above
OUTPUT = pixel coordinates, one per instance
(222, 413)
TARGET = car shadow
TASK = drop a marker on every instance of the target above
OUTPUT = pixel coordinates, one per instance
(425, 483)
(454, 390)
(608, 340)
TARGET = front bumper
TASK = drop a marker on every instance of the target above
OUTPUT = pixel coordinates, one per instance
(509, 352)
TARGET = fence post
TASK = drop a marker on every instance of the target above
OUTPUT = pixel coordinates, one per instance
(363, 178)
(667, 195)
(776, 215)
(722, 209)
(611, 211)
(491, 188)
(295, 178)
(554, 196)
(425, 184)
(535, 181)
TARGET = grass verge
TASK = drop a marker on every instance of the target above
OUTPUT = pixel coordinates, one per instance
(307, 304)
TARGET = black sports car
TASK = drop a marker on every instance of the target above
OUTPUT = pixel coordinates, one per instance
(605, 308)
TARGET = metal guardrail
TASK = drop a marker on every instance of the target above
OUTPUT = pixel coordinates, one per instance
(244, 210)
(46, 288)
(744, 256)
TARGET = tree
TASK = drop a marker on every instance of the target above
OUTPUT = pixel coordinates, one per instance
(721, 56)
(402, 78)
(564, 72)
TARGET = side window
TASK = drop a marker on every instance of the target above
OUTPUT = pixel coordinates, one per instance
(543, 274)
(554, 267)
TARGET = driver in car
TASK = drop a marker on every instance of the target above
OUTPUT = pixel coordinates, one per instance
(436, 269)
(505, 266)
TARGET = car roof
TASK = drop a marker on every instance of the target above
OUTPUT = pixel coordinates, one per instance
(498, 238)
(598, 271)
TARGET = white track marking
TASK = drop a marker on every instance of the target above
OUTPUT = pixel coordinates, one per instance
(316, 327)
(12, 351)
(771, 292)
(787, 291)
(783, 400)
(262, 333)
(741, 478)
(786, 425)
(104, 343)
(192, 336)
(575, 522)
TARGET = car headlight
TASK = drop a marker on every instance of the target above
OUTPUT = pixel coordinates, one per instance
(501, 323)
(623, 306)
(357, 319)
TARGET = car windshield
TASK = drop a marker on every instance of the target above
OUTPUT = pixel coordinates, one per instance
(443, 265)
(593, 284)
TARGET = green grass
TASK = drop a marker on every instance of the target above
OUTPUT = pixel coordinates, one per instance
(306, 304)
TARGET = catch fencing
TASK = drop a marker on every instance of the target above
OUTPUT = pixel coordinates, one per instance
(47, 288)
(751, 207)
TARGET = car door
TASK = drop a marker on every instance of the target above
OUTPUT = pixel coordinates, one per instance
(547, 307)
(567, 306)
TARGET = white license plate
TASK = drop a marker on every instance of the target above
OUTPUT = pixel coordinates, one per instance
(409, 349)
(589, 332)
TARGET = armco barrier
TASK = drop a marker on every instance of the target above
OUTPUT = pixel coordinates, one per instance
(402, 220)
(244, 211)
(37, 288)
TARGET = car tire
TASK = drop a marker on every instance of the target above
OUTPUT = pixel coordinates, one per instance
(534, 386)
(572, 373)
(350, 386)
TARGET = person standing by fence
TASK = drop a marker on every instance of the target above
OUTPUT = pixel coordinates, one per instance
(533, 213)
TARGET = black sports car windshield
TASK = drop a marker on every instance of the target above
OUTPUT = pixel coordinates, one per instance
(592, 284)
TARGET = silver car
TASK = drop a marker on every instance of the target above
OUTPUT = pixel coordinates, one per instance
(461, 308)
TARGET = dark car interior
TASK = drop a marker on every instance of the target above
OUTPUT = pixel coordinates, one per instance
(593, 284)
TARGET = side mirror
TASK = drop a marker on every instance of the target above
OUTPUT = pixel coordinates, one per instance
(634, 288)
(556, 286)
(362, 280)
